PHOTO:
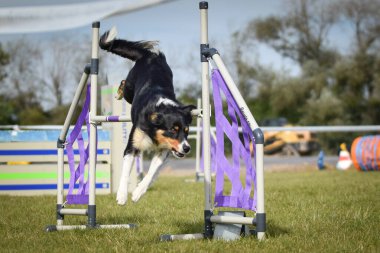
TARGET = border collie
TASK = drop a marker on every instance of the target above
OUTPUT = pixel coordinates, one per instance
(160, 122)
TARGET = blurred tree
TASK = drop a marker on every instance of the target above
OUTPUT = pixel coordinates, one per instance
(357, 76)
(7, 114)
(61, 69)
(300, 34)
(40, 80)
(190, 94)
(20, 85)
(4, 60)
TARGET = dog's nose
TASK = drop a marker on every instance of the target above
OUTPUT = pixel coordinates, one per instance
(186, 148)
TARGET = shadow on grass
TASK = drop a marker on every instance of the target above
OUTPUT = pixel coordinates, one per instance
(189, 227)
(274, 230)
(118, 220)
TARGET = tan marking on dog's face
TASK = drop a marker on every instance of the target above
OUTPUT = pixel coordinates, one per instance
(166, 142)
(186, 130)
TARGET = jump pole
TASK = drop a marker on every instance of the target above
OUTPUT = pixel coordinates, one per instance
(90, 212)
(93, 127)
(94, 121)
(203, 7)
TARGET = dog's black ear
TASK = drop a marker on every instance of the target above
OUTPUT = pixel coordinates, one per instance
(186, 109)
(156, 118)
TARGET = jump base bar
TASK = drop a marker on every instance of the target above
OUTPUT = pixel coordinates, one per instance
(166, 238)
(53, 228)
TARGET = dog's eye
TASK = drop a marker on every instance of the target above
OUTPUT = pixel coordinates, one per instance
(174, 130)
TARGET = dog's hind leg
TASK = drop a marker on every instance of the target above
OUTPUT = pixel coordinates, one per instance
(122, 192)
(156, 164)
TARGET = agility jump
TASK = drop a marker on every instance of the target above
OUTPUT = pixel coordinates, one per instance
(86, 196)
(240, 197)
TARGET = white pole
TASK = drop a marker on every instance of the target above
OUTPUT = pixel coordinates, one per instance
(74, 104)
(60, 183)
(206, 111)
(235, 92)
(260, 211)
(198, 143)
(93, 128)
(203, 6)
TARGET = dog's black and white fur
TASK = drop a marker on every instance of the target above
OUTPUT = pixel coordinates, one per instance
(160, 122)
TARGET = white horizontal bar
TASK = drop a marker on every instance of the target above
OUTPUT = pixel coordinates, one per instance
(72, 211)
(37, 127)
(110, 119)
(351, 128)
(368, 128)
(233, 220)
(114, 226)
(182, 237)
(324, 128)
(82, 227)
(71, 227)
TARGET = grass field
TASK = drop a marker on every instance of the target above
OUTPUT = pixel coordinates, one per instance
(313, 211)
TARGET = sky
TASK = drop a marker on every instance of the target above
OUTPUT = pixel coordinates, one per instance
(176, 25)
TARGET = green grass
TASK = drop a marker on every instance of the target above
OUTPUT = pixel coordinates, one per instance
(327, 211)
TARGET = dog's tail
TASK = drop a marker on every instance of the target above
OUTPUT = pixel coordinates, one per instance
(132, 50)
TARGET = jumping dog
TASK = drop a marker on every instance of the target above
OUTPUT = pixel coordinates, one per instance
(160, 121)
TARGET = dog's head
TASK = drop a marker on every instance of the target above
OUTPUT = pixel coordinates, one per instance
(171, 128)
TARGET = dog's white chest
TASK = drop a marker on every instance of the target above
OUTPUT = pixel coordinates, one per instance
(141, 140)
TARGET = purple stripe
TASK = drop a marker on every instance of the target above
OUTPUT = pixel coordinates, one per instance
(77, 199)
(239, 196)
(113, 118)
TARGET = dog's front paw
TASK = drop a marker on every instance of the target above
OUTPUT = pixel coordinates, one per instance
(122, 197)
(138, 193)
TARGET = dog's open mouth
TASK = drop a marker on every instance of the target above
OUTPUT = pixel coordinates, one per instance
(177, 154)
